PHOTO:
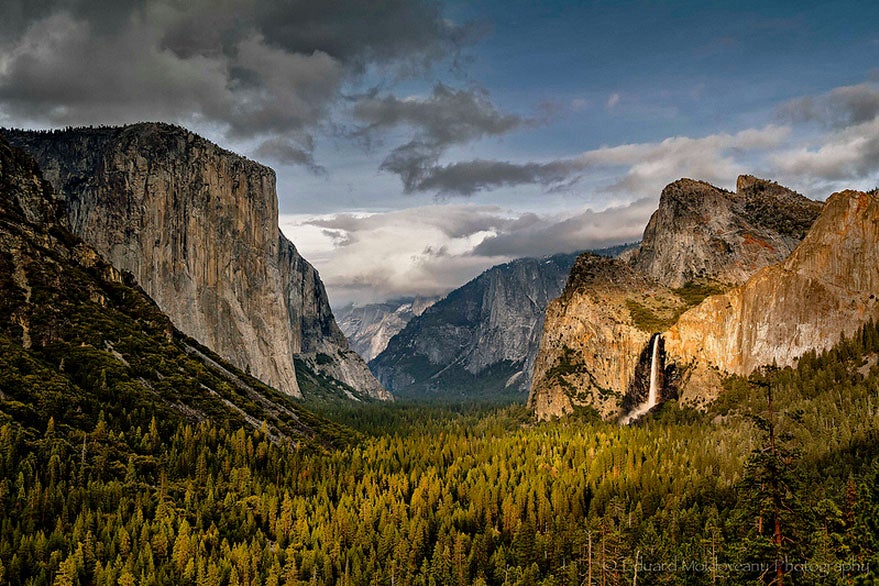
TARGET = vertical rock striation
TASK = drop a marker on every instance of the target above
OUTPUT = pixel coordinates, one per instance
(317, 338)
(79, 337)
(370, 327)
(197, 226)
(827, 288)
(481, 340)
(592, 343)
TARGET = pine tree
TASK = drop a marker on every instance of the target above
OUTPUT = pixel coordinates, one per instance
(770, 493)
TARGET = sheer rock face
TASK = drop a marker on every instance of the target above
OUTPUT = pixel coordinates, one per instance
(482, 335)
(197, 226)
(27, 198)
(370, 327)
(596, 332)
(61, 301)
(828, 287)
(703, 232)
(590, 346)
(317, 338)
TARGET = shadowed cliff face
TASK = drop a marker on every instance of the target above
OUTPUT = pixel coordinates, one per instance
(480, 341)
(667, 377)
(701, 241)
(317, 339)
(593, 342)
(197, 227)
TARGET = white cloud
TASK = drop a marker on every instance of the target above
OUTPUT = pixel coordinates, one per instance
(372, 257)
(648, 167)
(433, 249)
(843, 158)
(838, 143)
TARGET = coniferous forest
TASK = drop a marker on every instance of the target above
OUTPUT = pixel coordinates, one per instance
(779, 479)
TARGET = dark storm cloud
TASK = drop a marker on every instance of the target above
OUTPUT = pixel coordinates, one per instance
(451, 221)
(447, 117)
(648, 166)
(847, 151)
(469, 177)
(288, 152)
(108, 14)
(412, 32)
(255, 68)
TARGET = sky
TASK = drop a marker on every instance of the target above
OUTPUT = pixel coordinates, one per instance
(419, 142)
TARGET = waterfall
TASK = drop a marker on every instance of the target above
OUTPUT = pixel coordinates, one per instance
(654, 371)
(653, 393)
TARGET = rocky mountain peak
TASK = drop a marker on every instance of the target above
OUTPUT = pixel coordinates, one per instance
(691, 192)
(701, 241)
(701, 232)
(749, 183)
(81, 339)
(776, 209)
(842, 248)
(749, 186)
(480, 341)
(370, 327)
(595, 271)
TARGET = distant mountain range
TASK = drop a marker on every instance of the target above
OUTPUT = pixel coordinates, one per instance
(370, 327)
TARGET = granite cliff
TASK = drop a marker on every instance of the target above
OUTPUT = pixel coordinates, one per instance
(480, 341)
(80, 341)
(591, 344)
(197, 227)
(702, 232)
(700, 242)
(826, 289)
(370, 327)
